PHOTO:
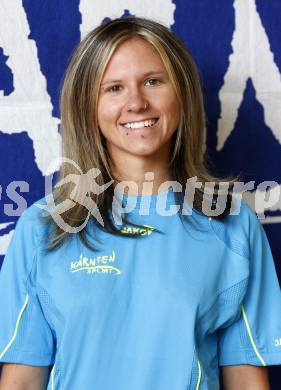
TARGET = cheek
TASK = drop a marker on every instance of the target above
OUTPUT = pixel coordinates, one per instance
(177, 114)
(107, 112)
(169, 103)
(176, 108)
(173, 111)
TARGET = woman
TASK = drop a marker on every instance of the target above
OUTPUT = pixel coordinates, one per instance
(146, 295)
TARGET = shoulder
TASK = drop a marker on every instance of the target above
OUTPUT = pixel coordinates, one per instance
(236, 229)
(27, 239)
(242, 218)
(33, 213)
(31, 225)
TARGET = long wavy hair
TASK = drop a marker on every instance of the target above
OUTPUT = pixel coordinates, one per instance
(84, 143)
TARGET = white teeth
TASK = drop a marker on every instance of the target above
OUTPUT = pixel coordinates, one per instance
(138, 125)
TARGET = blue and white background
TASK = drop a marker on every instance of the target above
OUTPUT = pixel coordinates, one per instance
(236, 44)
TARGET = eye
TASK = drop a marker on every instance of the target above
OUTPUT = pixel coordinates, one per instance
(114, 88)
(153, 82)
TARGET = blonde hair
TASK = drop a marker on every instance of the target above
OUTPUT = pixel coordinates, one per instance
(82, 139)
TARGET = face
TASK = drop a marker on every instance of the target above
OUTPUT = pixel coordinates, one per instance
(138, 111)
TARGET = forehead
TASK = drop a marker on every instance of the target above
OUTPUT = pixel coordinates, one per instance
(133, 56)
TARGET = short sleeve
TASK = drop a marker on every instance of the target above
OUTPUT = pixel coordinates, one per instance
(25, 335)
(255, 338)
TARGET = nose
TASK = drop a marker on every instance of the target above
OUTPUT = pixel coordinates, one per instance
(136, 101)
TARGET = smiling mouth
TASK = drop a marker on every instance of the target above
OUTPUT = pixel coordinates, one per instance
(140, 125)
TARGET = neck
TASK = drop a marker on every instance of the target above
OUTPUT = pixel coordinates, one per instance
(135, 169)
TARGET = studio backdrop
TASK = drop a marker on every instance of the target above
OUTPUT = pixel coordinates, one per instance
(236, 44)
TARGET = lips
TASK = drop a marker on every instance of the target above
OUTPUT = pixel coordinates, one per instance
(140, 120)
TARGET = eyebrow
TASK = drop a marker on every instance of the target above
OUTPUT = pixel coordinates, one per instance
(150, 73)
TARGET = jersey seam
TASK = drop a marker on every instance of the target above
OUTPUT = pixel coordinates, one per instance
(50, 313)
(225, 244)
(221, 292)
(26, 284)
(34, 258)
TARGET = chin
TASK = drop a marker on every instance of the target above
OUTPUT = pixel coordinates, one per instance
(144, 152)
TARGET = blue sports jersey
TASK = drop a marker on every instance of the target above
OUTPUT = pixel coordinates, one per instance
(157, 312)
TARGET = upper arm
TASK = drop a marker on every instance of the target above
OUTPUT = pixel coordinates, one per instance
(26, 336)
(245, 377)
(252, 337)
(23, 377)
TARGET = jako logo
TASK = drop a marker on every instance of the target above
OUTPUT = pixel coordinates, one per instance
(146, 231)
(99, 265)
